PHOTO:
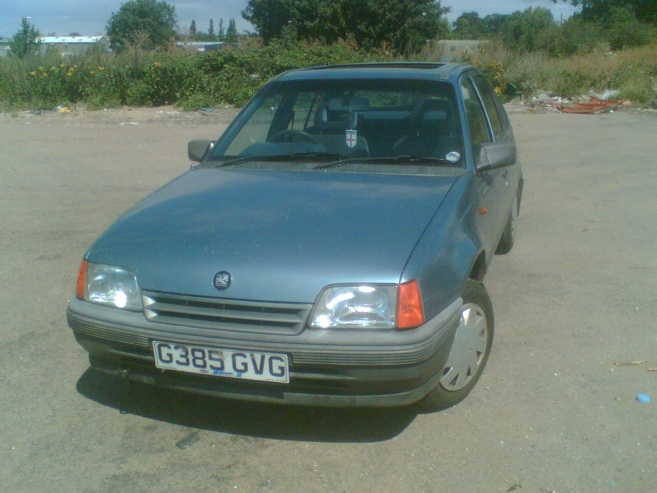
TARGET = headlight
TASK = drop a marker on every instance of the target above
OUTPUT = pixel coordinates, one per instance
(369, 307)
(108, 285)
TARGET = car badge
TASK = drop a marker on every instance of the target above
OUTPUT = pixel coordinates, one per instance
(222, 280)
(351, 138)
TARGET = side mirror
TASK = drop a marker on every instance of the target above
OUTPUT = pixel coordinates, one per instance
(496, 155)
(197, 149)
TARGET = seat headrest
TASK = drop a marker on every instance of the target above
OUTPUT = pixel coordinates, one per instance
(427, 105)
(335, 115)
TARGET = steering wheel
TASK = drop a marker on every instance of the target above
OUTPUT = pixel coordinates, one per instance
(293, 136)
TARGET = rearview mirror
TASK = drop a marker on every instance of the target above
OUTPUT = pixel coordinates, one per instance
(197, 149)
(496, 155)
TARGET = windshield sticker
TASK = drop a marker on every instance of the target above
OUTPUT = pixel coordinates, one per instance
(352, 137)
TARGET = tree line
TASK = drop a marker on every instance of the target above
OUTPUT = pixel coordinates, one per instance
(400, 26)
(620, 23)
(226, 35)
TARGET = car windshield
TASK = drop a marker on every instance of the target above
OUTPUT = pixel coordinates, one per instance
(324, 124)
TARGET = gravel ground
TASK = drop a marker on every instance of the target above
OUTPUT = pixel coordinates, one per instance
(555, 411)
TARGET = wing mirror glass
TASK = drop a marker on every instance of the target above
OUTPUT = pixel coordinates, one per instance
(197, 149)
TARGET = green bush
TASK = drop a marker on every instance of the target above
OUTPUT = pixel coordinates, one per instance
(232, 76)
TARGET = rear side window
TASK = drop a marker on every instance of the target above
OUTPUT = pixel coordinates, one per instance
(477, 123)
(497, 120)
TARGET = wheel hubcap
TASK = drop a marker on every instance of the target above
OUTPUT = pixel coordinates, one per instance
(468, 350)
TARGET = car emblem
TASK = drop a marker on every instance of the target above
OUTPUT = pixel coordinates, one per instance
(222, 280)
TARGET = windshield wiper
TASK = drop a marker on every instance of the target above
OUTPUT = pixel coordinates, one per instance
(296, 156)
(406, 159)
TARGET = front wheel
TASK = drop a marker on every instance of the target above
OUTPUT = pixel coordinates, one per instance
(470, 350)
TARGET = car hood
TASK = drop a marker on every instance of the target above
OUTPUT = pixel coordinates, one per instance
(281, 235)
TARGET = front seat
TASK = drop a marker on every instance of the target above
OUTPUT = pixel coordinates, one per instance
(432, 133)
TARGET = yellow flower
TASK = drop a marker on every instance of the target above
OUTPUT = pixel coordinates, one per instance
(32, 73)
(101, 68)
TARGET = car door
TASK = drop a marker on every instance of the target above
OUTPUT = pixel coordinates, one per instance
(487, 123)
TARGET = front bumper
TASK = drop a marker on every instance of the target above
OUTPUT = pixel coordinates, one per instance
(342, 368)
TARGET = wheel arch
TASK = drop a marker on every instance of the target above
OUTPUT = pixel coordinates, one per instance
(479, 268)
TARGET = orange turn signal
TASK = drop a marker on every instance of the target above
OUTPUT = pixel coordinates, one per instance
(82, 280)
(410, 312)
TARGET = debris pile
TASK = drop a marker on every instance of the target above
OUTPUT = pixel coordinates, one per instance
(594, 105)
(591, 103)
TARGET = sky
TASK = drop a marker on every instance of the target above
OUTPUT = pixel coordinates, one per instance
(89, 17)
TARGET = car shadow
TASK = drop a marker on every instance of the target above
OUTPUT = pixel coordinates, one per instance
(246, 418)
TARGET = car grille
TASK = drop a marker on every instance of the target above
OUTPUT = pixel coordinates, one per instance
(222, 314)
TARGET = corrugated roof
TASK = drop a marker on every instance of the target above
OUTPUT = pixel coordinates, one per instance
(70, 39)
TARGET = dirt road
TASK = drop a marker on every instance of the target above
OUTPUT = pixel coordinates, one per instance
(555, 410)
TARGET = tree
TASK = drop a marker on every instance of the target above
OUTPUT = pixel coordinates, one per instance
(405, 25)
(192, 29)
(623, 23)
(527, 31)
(25, 41)
(211, 30)
(150, 22)
(603, 10)
(572, 36)
(622, 29)
(221, 34)
(522, 30)
(231, 32)
(469, 26)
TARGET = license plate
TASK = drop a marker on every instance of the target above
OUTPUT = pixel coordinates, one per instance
(249, 365)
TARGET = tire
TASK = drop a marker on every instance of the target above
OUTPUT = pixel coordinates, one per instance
(470, 350)
(509, 234)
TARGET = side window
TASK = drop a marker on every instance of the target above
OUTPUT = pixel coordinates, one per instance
(497, 120)
(258, 127)
(474, 112)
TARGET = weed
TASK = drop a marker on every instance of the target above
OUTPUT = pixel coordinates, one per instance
(232, 76)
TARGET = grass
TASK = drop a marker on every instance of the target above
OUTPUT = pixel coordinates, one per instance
(632, 72)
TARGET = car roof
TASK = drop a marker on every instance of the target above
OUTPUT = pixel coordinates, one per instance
(392, 70)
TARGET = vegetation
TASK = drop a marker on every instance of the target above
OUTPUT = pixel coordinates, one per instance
(632, 72)
(596, 10)
(602, 48)
(403, 25)
(26, 41)
(535, 30)
(229, 35)
(191, 81)
(148, 23)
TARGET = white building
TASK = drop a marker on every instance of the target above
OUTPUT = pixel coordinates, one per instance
(69, 46)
